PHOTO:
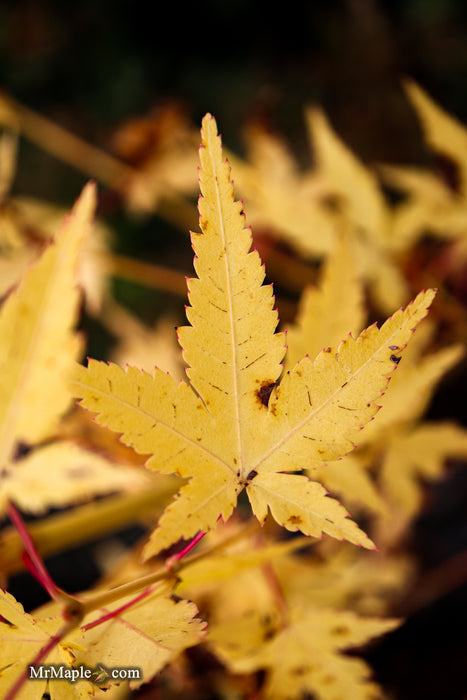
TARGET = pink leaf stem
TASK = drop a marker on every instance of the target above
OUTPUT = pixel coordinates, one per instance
(32, 558)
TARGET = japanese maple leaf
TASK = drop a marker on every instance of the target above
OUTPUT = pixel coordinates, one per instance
(147, 636)
(234, 426)
(306, 656)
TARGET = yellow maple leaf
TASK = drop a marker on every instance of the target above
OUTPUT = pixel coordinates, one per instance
(225, 431)
(347, 177)
(428, 205)
(364, 209)
(432, 203)
(281, 198)
(383, 440)
(147, 636)
(306, 655)
(291, 617)
(38, 342)
(443, 132)
(91, 273)
(410, 388)
(38, 347)
(61, 473)
(345, 579)
(21, 638)
(418, 454)
(327, 313)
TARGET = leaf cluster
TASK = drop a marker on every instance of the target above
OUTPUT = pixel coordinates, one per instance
(292, 418)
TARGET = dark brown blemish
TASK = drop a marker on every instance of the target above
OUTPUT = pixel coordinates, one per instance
(395, 358)
(295, 520)
(264, 392)
(252, 475)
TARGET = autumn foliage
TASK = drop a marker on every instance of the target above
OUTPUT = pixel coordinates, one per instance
(242, 461)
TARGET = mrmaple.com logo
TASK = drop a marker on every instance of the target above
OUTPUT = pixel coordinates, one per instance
(82, 673)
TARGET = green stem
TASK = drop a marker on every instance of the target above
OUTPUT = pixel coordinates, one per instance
(82, 524)
(104, 598)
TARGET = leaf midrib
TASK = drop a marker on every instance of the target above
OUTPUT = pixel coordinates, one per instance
(236, 392)
(291, 433)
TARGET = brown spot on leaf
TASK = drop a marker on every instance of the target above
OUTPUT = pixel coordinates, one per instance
(299, 670)
(295, 520)
(395, 358)
(264, 392)
(252, 475)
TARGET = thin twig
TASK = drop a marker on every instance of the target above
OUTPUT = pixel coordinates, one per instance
(32, 559)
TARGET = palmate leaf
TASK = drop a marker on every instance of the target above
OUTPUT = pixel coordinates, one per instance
(306, 657)
(21, 638)
(419, 454)
(226, 431)
(147, 636)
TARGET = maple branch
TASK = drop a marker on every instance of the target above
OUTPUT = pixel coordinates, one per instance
(163, 573)
(125, 606)
(79, 525)
(63, 144)
(149, 274)
(93, 161)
